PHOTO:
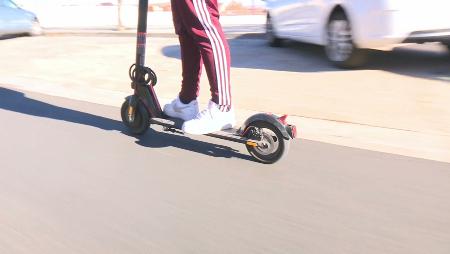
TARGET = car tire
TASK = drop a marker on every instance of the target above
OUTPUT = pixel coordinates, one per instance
(340, 48)
(271, 36)
(36, 29)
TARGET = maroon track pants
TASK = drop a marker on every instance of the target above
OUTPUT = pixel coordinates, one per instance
(202, 41)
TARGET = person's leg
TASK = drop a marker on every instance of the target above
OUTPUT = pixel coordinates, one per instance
(200, 18)
(191, 62)
(185, 106)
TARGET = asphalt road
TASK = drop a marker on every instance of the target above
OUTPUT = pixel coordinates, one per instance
(71, 181)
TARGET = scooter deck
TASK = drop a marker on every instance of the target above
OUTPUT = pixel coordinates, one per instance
(175, 124)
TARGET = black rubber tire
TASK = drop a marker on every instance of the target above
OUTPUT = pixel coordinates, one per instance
(141, 121)
(275, 136)
(271, 37)
(356, 57)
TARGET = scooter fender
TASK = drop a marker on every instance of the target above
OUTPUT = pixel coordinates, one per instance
(148, 104)
(132, 99)
(269, 118)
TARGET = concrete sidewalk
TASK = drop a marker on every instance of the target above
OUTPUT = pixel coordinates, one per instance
(231, 32)
(400, 111)
(159, 24)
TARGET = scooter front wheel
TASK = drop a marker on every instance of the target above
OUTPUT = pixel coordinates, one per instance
(272, 147)
(139, 120)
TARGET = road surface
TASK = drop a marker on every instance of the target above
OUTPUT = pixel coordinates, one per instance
(71, 181)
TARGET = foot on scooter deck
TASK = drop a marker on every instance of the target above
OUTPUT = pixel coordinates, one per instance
(175, 124)
(266, 136)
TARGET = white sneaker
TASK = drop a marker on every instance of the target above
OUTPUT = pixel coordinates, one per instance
(210, 120)
(180, 110)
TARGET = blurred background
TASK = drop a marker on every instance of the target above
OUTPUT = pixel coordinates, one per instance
(345, 28)
(98, 13)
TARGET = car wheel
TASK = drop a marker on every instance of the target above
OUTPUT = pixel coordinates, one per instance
(340, 49)
(272, 38)
(36, 29)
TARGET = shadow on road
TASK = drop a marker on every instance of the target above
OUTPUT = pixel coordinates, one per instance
(183, 142)
(11, 36)
(256, 54)
(17, 102)
(417, 60)
(412, 60)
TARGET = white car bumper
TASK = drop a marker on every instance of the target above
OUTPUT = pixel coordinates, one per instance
(406, 22)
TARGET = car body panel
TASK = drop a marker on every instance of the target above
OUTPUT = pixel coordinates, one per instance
(375, 23)
(14, 20)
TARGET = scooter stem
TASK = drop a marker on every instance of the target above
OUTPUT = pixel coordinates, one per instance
(141, 34)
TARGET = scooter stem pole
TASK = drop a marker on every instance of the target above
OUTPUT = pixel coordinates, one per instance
(141, 33)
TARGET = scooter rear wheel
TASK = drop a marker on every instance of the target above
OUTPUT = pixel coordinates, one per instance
(272, 147)
(141, 121)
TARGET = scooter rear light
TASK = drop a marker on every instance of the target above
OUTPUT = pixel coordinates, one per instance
(292, 130)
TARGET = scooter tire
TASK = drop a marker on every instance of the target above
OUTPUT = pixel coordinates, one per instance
(275, 146)
(141, 121)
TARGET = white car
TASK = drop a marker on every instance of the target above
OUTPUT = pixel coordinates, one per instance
(347, 27)
(14, 20)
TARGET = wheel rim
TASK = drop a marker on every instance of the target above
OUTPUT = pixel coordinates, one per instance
(269, 143)
(340, 42)
(137, 116)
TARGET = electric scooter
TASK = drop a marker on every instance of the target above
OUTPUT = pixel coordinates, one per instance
(266, 136)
